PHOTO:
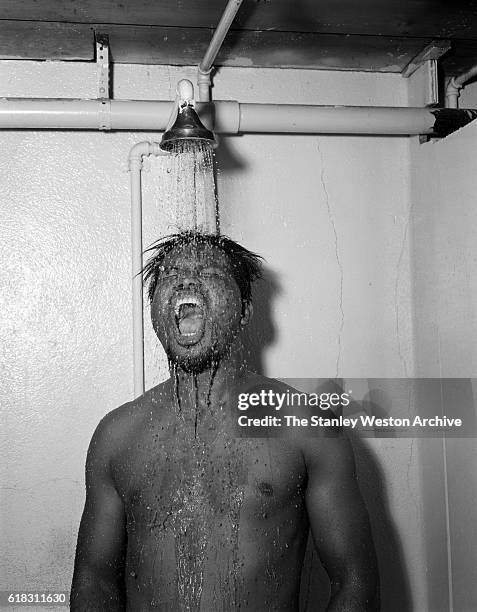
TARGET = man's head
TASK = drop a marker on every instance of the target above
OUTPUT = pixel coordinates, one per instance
(199, 287)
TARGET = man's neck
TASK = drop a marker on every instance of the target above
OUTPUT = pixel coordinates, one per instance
(210, 387)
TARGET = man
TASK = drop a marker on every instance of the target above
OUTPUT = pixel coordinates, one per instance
(184, 513)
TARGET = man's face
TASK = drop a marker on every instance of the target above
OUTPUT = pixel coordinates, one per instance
(197, 309)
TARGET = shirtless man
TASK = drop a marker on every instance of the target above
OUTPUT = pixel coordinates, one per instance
(182, 512)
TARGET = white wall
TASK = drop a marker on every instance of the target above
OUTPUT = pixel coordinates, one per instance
(444, 221)
(444, 184)
(330, 215)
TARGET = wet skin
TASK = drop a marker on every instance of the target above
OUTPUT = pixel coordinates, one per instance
(204, 275)
(258, 483)
(182, 513)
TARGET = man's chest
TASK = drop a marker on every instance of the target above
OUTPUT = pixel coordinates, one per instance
(178, 478)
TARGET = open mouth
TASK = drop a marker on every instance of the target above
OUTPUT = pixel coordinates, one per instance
(189, 317)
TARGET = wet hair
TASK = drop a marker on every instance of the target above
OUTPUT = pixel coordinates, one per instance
(245, 265)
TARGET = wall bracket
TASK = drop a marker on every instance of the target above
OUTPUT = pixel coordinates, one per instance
(433, 51)
(422, 74)
(102, 62)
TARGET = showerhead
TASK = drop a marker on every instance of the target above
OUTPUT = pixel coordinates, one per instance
(187, 126)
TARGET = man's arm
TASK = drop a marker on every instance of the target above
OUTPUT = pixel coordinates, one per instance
(340, 525)
(99, 563)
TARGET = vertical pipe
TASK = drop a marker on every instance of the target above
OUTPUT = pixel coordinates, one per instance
(204, 83)
(450, 585)
(452, 94)
(135, 166)
(137, 297)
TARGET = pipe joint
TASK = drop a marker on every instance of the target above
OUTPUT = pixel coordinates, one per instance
(155, 149)
(452, 93)
(203, 76)
(142, 149)
(137, 153)
(453, 86)
(204, 83)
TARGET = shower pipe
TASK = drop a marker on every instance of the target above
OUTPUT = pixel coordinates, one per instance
(455, 85)
(135, 162)
(230, 117)
(205, 67)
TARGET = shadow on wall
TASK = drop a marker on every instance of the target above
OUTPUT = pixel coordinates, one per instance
(315, 586)
(395, 591)
(227, 157)
(261, 333)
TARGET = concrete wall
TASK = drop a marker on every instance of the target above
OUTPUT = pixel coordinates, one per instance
(443, 188)
(330, 215)
(443, 238)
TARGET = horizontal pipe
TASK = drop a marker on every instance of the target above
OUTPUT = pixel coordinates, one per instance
(230, 117)
(48, 113)
(289, 118)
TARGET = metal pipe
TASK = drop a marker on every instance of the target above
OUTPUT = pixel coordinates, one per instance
(220, 33)
(452, 94)
(51, 113)
(135, 162)
(463, 78)
(204, 82)
(455, 84)
(205, 67)
(230, 117)
(290, 118)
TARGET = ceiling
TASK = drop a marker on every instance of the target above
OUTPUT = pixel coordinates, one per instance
(371, 35)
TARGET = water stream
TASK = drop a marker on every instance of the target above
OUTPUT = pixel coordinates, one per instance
(209, 494)
(190, 186)
(210, 487)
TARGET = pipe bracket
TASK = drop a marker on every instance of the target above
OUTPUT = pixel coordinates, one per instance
(104, 115)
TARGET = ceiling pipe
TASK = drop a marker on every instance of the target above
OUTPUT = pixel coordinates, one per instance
(231, 117)
(204, 69)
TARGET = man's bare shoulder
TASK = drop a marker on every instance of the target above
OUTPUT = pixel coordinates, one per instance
(315, 443)
(122, 424)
